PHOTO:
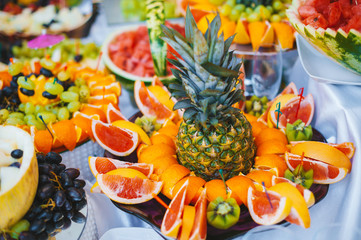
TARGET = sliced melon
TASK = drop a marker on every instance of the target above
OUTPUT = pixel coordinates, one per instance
(343, 48)
(18, 185)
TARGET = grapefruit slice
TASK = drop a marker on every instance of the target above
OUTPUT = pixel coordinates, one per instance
(114, 114)
(305, 112)
(322, 152)
(347, 148)
(128, 190)
(299, 212)
(323, 173)
(307, 194)
(102, 165)
(189, 214)
(261, 210)
(199, 231)
(118, 141)
(172, 220)
(149, 105)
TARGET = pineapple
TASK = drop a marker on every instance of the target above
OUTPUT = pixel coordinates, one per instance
(213, 134)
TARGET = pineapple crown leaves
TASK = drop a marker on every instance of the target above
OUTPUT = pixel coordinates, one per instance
(207, 74)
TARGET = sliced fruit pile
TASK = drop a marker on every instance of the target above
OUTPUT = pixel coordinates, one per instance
(333, 27)
(56, 101)
(260, 23)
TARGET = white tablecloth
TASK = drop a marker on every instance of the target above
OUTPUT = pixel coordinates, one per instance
(337, 117)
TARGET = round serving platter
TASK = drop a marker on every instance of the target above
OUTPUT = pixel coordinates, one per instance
(153, 212)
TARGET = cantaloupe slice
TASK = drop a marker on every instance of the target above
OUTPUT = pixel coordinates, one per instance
(284, 34)
(256, 33)
(268, 37)
(242, 36)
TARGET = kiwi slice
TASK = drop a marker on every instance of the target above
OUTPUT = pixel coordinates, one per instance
(256, 106)
(300, 176)
(223, 214)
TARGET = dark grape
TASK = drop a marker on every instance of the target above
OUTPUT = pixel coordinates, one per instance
(44, 178)
(27, 92)
(15, 164)
(46, 191)
(15, 77)
(79, 183)
(46, 72)
(42, 236)
(67, 223)
(8, 91)
(48, 95)
(45, 169)
(17, 153)
(59, 198)
(81, 204)
(27, 235)
(53, 157)
(37, 226)
(66, 180)
(45, 215)
(69, 214)
(15, 100)
(50, 227)
(72, 172)
(61, 167)
(78, 58)
(57, 216)
(40, 157)
(67, 206)
(78, 217)
(14, 84)
(74, 193)
(60, 223)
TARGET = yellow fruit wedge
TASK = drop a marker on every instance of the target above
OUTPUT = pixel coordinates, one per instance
(299, 212)
(133, 127)
(322, 152)
(189, 214)
(242, 36)
(284, 34)
(162, 96)
(256, 33)
(228, 28)
(268, 37)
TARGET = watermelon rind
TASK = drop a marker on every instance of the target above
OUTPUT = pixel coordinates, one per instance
(342, 48)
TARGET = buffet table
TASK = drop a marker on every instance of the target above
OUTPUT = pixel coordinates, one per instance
(337, 117)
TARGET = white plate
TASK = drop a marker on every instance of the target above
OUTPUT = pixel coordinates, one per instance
(131, 233)
(322, 69)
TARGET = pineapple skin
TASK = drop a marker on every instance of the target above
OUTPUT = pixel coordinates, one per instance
(229, 147)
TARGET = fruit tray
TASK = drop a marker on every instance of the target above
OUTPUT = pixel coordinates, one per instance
(152, 212)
